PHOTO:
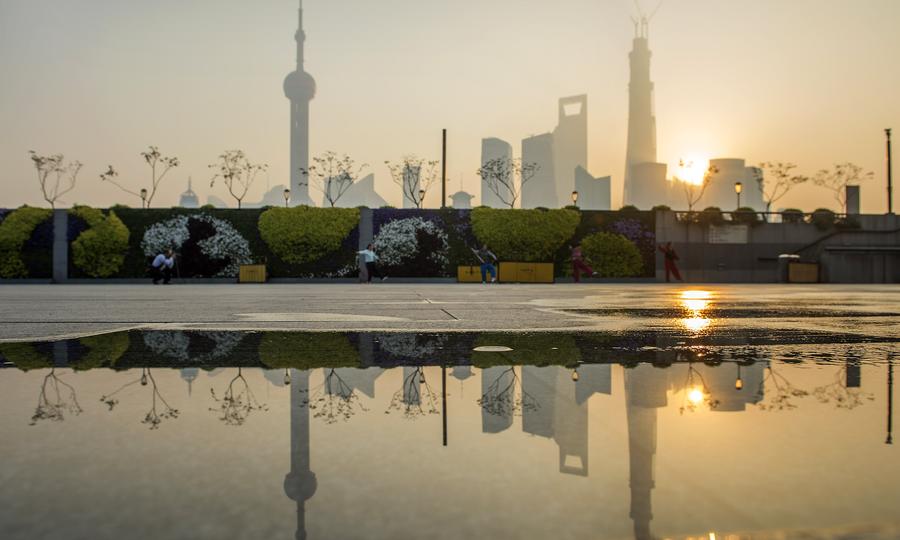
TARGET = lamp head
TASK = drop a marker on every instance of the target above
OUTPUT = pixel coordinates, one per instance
(574, 197)
(738, 187)
(287, 193)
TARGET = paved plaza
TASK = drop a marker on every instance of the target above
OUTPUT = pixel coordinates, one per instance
(38, 312)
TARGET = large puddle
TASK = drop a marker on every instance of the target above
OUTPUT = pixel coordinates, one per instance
(674, 433)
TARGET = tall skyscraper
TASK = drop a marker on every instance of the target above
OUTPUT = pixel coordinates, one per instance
(300, 88)
(569, 145)
(540, 190)
(641, 118)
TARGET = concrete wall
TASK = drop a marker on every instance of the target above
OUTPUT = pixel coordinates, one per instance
(870, 254)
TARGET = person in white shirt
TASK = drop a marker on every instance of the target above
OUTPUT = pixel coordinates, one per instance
(161, 267)
(369, 257)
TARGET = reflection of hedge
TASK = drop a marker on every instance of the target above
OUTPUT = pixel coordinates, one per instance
(15, 232)
(613, 255)
(524, 235)
(304, 234)
(527, 349)
(102, 351)
(25, 356)
(100, 250)
(307, 350)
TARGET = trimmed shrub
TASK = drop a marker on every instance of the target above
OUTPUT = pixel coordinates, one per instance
(629, 208)
(847, 222)
(304, 234)
(25, 356)
(823, 219)
(15, 231)
(412, 242)
(745, 215)
(308, 350)
(100, 250)
(711, 215)
(792, 215)
(661, 208)
(102, 351)
(524, 235)
(613, 255)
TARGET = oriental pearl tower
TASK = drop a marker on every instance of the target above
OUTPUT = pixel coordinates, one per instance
(300, 88)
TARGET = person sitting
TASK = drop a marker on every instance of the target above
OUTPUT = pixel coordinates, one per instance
(161, 267)
(487, 260)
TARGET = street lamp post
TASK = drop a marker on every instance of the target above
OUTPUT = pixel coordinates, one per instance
(890, 186)
(738, 188)
(287, 196)
(143, 198)
(421, 198)
(574, 198)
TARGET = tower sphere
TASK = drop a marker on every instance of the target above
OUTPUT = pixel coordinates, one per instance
(299, 85)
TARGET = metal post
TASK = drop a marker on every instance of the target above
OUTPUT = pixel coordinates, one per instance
(890, 400)
(444, 398)
(444, 170)
(890, 186)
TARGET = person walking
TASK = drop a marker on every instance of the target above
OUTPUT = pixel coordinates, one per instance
(670, 256)
(578, 264)
(161, 267)
(369, 257)
(487, 259)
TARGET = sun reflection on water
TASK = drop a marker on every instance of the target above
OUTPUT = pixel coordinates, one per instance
(694, 302)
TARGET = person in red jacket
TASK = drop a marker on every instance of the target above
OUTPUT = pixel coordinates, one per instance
(671, 256)
(578, 264)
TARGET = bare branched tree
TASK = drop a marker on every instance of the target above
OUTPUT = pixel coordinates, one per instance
(159, 166)
(415, 398)
(415, 176)
(840, 394)
(333, 175)
(838, 178)
(55, 399)
(776, 179)
(334, 399)
(781, 393)
(159, 408)
(237, 173)
(55, 177)
(694, 192)
(696, 393)
(506, 177)
(237, 402)
(501, 399)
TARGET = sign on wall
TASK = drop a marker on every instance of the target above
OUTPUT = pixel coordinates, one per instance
(729, 234)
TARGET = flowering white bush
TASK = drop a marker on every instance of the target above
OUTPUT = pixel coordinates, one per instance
(226, 243)
(175, 344)
(411, 345)
(397, 241)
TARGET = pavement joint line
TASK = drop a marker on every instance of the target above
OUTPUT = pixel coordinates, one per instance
(455, 318)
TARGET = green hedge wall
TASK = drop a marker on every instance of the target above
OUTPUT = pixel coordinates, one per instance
(26, 243)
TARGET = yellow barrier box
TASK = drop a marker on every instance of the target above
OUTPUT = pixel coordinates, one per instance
(468, 274)
(799, 272)
(252, 273)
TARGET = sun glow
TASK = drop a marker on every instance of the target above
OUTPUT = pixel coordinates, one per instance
(692, 170)
(696, 396)
(695, 302)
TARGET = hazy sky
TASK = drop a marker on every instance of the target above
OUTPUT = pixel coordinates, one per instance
(809, 81)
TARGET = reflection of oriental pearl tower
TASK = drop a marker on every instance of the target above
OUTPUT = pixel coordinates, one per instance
(300, 483)
(300, 88)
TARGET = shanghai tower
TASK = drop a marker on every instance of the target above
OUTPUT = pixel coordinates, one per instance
(641, 119)
(300, 88)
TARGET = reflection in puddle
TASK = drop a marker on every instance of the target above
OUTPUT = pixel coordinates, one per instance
(621, 436)
(695, 303)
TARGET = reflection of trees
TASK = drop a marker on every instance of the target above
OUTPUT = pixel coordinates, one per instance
(696, 392)
(333, 400)
(55, 399)
(781, 392)
(237, 402)
(159, 408)
(415, 398)
(840, 394)
(501, 399)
